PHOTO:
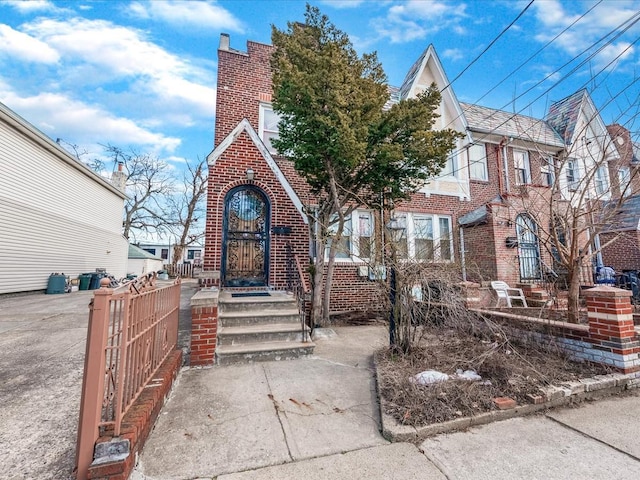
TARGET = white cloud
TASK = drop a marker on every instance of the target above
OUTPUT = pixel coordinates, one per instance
(604, 20)
(204, 14)
(416, 19)
(453, 54)
(25, 47)
(60, 116)
(31, 5)
(342, 4)
(96, 52)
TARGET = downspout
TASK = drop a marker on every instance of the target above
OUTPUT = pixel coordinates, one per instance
(505, 163)
(462, 258)
(499, 165)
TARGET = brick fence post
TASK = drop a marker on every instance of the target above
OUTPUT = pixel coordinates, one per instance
(470, 293)
(611, 329)
(204, 327)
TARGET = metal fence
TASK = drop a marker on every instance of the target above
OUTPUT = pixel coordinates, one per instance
(184, 270)
(132, 330)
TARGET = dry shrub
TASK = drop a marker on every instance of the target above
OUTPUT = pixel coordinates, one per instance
(446, 337)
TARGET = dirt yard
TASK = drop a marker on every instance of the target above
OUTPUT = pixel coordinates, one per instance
(507, 370)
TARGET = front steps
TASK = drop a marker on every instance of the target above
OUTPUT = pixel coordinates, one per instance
(259, 328)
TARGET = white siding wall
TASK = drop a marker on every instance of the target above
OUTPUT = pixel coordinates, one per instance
(54, 217)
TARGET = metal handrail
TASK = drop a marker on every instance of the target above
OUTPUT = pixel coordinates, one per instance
(297, 284)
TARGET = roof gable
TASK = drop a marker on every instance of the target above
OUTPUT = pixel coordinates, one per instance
(245, 126)
(427, 69)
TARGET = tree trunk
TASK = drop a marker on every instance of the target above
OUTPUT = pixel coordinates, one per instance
(317, 277)
(177, 254)
(573, 308)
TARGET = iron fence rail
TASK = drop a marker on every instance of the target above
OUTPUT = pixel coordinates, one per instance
(132, 330)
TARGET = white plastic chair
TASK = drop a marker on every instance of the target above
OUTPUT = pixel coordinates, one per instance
(506, 293)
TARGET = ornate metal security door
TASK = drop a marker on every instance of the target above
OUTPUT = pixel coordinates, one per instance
(528, 253)
(245, 250)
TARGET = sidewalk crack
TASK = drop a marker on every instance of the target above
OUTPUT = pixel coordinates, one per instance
(278, 410)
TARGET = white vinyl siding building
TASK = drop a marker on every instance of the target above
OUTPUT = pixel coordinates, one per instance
(56, 215)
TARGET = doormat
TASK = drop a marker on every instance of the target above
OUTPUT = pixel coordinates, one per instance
(250, 294)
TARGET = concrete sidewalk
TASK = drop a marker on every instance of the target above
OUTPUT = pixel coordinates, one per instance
(318, 418)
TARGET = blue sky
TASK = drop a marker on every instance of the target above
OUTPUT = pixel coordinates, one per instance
(142, 74)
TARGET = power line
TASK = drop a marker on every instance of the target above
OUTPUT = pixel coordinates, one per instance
(490, 45)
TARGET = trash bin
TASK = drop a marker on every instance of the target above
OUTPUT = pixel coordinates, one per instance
(85, 279)
(57, 283)
(95, 281)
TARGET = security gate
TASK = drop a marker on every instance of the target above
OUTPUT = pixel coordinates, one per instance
(528, 252)
(245, 250)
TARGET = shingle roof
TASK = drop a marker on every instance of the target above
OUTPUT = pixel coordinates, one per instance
(563, 114)
(627, 216)
(498, 122)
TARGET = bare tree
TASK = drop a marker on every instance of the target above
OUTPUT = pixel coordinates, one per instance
(186, 208)
(571, 217)
(148, 185)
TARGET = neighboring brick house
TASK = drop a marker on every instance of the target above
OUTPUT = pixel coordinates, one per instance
(481, 211)
(621, 241)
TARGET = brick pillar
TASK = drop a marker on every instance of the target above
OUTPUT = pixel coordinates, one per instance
(611, 329)
(204, 327)
(470, 294)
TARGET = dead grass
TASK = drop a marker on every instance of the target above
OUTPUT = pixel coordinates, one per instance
(513, 370)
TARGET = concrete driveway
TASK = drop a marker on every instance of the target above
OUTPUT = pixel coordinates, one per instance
(42, 348)
(42, 342)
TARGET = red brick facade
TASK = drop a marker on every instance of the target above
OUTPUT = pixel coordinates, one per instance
(244, 83)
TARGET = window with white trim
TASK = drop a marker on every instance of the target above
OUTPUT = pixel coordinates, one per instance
(357, 236)
(522, 167)
(624, 178)
(478, 162)
(268, 129)
(427, 237)
(573, 178)
(451, 167)
(547, 171)
(601, 183)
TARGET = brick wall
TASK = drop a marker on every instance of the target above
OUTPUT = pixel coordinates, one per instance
(623, 253)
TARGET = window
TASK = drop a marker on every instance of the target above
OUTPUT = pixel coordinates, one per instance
(164, 254)
(357, 235)
(445, 239)
(268, 126)
(365, 235)
(624, 178)
(601, 183)
(343, 246)
(451, 167)
(478, 162)
(423, 238)
(152, 251)
(428, 238)
(572, 175)
(521, 165)
(191, 254)
(547, 171)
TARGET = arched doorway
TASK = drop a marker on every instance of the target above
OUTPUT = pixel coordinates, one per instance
(245, 244)
(528, 251)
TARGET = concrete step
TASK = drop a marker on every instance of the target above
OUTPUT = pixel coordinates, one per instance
(262, 352)
(275, 301)
(261, 333)
(259, 317)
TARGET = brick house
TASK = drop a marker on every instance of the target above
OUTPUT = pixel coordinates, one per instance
(482, 212)
(621, 240)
